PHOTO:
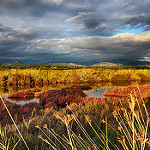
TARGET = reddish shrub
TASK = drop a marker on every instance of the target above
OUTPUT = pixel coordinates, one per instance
(13, 108)
(37, 95)
(3, 83)
(45, 82)
(136, 91)
(51, 105)
(30, 107)
(22, 80)
(29, 94)
(8, 83)
(22, 94)
(61, 97)
(76, 79)
(53, 80)
(15, 80)
(34, 90)
(78, 87)
(121, 77)
(144, 77)
(39, 82)
(21, 112)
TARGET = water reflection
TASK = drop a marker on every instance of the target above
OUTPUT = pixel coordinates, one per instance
(97, 90)
(21, 101)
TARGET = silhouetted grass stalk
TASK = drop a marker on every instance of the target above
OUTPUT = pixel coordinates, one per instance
(133, 126)
(4, 141)
(14, 123)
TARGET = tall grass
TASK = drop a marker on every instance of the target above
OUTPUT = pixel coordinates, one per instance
(14, 124)
(131, 130)
(133, 124)
(128, 129)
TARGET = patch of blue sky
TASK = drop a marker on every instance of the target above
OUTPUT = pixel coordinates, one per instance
(137, 29)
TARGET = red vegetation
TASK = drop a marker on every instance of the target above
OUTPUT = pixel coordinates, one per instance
(28, 94)
(39, 82)
(55, 99)
(144, 77)
(45, 82)
(22, 80)
(76, 79)
(99, 100)
(18, 111)
(141, 91)
(61, 97)
(78, 87)
(121, 77)
(51, 105)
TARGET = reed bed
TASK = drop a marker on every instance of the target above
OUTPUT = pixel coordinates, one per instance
(130, 131)
(24, 77)
(90, 125)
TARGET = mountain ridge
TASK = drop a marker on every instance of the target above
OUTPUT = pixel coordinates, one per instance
(106, 64)
(100, 64)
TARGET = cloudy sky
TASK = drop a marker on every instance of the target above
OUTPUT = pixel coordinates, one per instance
(80, 31)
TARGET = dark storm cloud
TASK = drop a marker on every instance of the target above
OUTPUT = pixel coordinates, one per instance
(59, 30)
(121, 46)
(15, 41)
(4, 29)
(27, 7)
(135, 21)
(86, 15)
(140, 21)
(93, 25)
(19, 32)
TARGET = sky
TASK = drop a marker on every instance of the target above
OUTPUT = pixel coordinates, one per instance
(80, 31)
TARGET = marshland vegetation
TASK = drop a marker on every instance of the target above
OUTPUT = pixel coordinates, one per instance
(68, 119)
(32, 77)
(118, 122)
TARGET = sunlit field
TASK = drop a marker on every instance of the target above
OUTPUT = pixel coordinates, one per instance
(64, 117)
(23, 77)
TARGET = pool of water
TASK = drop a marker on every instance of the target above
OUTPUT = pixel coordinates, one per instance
(20, 102)
(97, 90)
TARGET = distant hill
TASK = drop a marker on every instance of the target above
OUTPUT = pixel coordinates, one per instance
(18, 64)
(136, 63)
(105, 64)
(15, 64)
(65, 65)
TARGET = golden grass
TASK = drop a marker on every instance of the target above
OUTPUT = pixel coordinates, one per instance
(22, 77)
(132, 130)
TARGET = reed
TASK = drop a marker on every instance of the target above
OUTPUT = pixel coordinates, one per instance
(131, 130)
(92, 124)
(14, 124)
(27, 77)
